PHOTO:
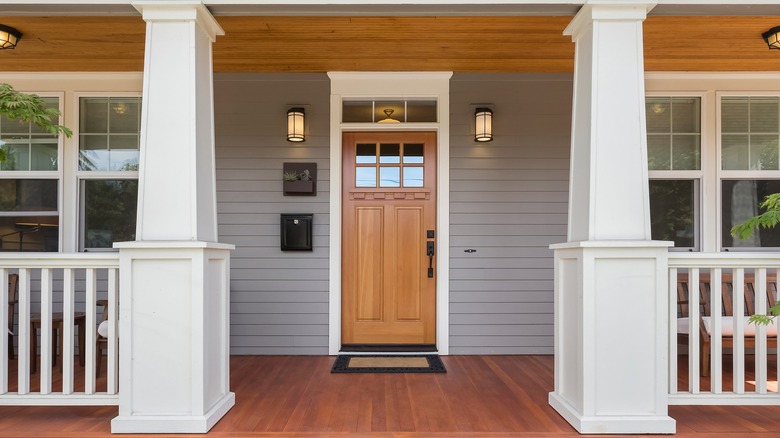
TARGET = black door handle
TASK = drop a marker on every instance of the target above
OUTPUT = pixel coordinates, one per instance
(430, 259)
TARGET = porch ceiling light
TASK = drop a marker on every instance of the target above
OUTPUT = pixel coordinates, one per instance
(484, 124)
(772, 38)
(295, 121)
(9, 37)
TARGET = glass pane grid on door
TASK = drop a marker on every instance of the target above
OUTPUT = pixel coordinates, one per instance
(389, 165)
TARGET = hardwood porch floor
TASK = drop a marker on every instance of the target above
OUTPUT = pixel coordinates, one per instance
(480, 396)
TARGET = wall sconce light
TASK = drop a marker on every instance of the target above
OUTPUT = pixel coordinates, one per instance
(295, 121)
(772, 38)
(484, 124)
(9, 37)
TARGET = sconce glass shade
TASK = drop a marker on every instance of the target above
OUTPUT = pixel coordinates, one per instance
(484, 125)
(9, 37)
(295, 120)
(772, 38)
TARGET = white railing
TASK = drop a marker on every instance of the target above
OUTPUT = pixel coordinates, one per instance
(51, 287)
(735, 272)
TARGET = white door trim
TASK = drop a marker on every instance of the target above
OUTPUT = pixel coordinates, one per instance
(386, 85)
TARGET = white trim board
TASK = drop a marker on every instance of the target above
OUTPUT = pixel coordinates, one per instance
(381, 85)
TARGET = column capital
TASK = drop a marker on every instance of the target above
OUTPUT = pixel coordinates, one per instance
(180, 11)
(607, 10)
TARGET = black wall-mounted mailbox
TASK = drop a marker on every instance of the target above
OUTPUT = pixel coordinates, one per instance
(296, 232)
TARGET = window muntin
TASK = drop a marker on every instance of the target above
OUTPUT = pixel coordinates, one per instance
(750, 132)
(109, 130)
(673, 133)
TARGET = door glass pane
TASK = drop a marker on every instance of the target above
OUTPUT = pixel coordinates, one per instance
(740, 200)
(390, 153)
(413, 153)
(389, 177)
(28, 195)
(672, 211)
(413, 176)
(109, 212)
(366, 153)
(365, 177)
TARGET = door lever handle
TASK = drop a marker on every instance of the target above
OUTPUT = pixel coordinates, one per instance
(430, 253)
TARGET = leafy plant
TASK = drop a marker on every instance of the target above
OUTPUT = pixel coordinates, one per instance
(290, 176)
(745, 230)
(305, 176)
(30, 108)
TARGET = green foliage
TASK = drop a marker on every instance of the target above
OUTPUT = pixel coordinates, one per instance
(290, 176)
(305, 176)
(767, 219)
(30, 108)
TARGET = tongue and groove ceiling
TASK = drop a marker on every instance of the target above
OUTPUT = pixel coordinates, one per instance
(393, 43)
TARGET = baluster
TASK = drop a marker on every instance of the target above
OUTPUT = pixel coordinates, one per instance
(738, 348)
(68, 311)
(112, 367)
(46, 331)
(693, 330)
(673, 331)
(3, 327)
(716, 340)
(759, 287)
(24, 332)
(89, 343)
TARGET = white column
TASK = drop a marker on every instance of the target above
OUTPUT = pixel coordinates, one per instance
(610, 278)
(174, 279)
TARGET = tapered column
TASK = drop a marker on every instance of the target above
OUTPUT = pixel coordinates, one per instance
(610, 278)
(174, 279)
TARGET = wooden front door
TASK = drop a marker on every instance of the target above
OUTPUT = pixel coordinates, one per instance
(388, 231)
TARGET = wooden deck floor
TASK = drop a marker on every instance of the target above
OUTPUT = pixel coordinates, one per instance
(479, 396)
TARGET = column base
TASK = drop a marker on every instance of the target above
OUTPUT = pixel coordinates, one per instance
(612, 424)
(174, 423)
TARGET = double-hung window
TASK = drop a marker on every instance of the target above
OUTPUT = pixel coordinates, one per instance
(30, 186)
(674, 162)
(749, 129)
(109, 133)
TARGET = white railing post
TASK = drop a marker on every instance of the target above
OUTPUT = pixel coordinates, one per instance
(672, 331)
(68, 309)
(738, 348)
(693, 330)
(46, 331)
(3, 326)
(24, 332)
(716, 337)
(112, 361)
(89, 342)
(759, 289)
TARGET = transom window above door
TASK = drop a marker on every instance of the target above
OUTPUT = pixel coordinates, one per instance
(388, 111)
(389, 165)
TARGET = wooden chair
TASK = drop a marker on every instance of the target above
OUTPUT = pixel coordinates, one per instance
(101, 342)
(727, 314)
(13, 300)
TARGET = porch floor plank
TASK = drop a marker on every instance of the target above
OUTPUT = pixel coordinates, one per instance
(479, 397)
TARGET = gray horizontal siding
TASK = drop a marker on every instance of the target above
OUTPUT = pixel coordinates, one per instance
(508, 201)
(279, 300)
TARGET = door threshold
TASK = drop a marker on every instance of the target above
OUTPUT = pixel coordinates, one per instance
(388, 348)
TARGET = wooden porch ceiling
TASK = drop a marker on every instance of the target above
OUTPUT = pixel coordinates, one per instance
(321, 44)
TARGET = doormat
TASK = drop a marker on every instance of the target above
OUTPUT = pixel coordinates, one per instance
(348, 363)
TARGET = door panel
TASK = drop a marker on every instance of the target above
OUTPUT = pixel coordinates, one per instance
(389, 202)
